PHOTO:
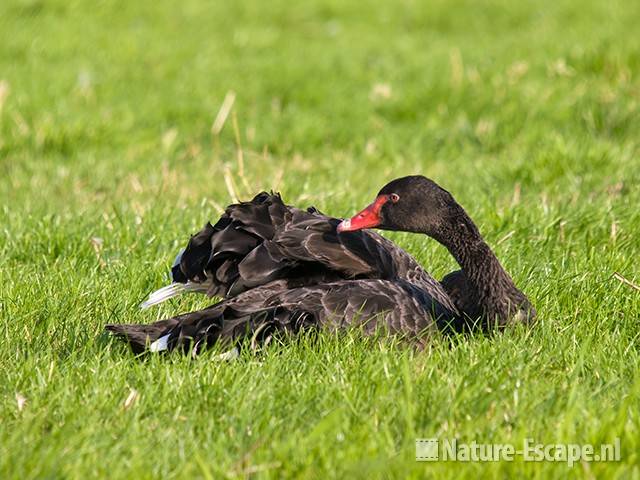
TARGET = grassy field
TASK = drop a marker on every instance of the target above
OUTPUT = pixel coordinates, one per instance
(528, 112)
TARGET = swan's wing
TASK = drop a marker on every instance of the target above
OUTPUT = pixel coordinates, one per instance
(395, 306)
(254, 243)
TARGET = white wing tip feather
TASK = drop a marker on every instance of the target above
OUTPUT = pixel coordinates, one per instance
(162, 294)
(160, 344)
(227, 356)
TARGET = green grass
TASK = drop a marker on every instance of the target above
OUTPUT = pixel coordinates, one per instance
(528, 112)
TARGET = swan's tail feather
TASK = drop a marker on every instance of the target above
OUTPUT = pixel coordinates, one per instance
(142, 337)
(219, 324)
(170, 291)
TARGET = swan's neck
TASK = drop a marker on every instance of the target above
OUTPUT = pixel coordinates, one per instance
(498, 297)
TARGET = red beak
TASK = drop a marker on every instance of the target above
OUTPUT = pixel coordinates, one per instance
(367, 218)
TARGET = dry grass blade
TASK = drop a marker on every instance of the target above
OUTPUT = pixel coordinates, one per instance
(506, 237)
(627, 282)
(131, 399)
(4, 93)
(21, 401)
(239, 153)
(517, 191)
(230, 184)
(277, 179)
(223, 113)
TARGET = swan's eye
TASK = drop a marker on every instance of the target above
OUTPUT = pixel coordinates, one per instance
(395, 197)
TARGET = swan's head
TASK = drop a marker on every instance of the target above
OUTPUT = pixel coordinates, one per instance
(408, 204)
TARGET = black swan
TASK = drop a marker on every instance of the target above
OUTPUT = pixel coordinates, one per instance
(279, 268)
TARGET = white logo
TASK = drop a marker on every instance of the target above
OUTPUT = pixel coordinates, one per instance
(450, 450)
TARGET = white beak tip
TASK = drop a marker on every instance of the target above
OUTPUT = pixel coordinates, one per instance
(344, 225)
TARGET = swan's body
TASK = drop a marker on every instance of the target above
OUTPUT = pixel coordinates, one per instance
(281, 268)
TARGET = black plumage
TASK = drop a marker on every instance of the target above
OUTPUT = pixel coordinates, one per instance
(279, 268)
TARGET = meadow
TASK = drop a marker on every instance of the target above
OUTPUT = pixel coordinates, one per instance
(125, 126)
